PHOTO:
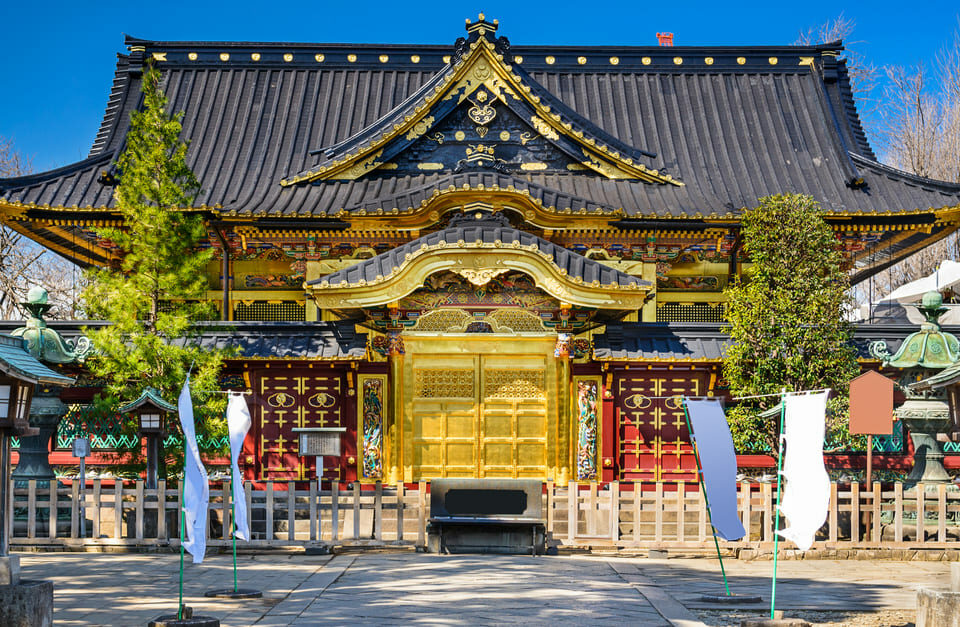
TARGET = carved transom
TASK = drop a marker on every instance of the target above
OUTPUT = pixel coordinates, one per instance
(500, 321)
(514, 384)
(443, 383)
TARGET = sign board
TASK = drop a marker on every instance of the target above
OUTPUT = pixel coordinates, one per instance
(81, 447)
(320, 443)
(871, 404)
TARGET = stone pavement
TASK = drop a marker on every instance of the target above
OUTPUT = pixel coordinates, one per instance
(392, 588)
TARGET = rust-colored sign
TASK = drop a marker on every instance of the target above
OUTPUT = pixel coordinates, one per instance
(871, 404)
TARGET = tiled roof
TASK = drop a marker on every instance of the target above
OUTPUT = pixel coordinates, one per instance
(488, 230)
(256, 340)
(732, 123)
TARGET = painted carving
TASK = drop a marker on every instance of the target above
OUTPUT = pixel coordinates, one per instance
(395, 344)
(564, 344)
(372, 429)
(587, 430)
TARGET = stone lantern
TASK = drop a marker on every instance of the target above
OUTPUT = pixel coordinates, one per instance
(47, 410)
(151, 412)
(924, 354)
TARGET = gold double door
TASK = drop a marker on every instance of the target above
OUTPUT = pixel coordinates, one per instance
(485, 412)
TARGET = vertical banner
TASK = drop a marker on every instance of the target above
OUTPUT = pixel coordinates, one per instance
(196, 490)
(807, 494)
(238, 423)
(587, 390)
(718, 462)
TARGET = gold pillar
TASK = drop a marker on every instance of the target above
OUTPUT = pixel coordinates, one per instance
(394, 451)
(564, 450)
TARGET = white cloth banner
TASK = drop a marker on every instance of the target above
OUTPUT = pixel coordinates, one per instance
(718, 461)
(806, 497)
(238, 423)
(196, 491)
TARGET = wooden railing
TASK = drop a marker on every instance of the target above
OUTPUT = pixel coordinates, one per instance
(647, 515)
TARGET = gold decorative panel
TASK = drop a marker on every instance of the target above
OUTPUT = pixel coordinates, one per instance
(443, 320)
(515, 320)
(513, 384)
(443, 383)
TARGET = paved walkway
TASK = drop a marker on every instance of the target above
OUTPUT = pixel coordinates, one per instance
(393, 588)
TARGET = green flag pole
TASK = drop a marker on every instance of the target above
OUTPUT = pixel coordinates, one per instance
(696, 454)
(233, 522)
(180, 604)
(776, 514)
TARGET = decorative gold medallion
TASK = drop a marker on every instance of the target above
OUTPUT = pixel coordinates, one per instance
(224, 56)
(415, 58)
(288, 57)
(708, 60)
(550, 60)
(741, 60)
(352, 58)
(384, 58)
(646, 60)
(614, 60)
(192, 56)
(254, 56)
(773, 60)
(581, 60)
(319, 58)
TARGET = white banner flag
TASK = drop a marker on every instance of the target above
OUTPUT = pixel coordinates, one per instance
(807, 494)
(196, 492)
(718, 461)
(238, 423)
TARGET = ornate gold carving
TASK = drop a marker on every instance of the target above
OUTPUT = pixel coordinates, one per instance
(525, 138)
(322, 399)
(159, 56)
(504, 136)
(224, 56)
(254, 56)
(362, 167)
(513, 384)
(514, 320)
(773, 60)
(550, 60)
(192, 56)
(581, 60)
(430, 166)
(443, 383)
(741, 60)
(415, 58)
(533, 167)
(708, 60)
(481, 276)
(518, 59)
(287, 57)
(384, 58)
(543, 128)
(482, 114)
(319, 58)
(806, 61)
(678, 60)
(646, 60)
(352, 58)
(420, 128)
(443, 320)
(459, 136)
(614, 60)
(281, 400)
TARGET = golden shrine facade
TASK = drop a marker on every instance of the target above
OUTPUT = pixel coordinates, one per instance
(487, 260)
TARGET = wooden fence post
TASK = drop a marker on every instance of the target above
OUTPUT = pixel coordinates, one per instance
(854, 511)
(614, 489)
(31, 508)
(162, 509)
(74, 508)
(592, 510)
(53, 509)
(572, 506)
(269, 511)
(225, 516)
(378, 512)
(313, 509)
(356, 510)
(920, 491)
(941, 513)
(95, 514)
(334, 509)
(681, 493)
(139, 496)
(637, 508)
(898, 512)
(400, 508)
(422, 513)
(291, 511)
(550, 499)
(658, 512)
(834, 512)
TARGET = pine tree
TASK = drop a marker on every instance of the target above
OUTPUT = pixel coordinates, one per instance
(786, 318)
(151, 294)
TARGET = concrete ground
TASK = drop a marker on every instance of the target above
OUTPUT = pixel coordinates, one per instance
(394, 588)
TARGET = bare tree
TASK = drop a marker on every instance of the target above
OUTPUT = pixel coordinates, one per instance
(864, 74)
(24, 263)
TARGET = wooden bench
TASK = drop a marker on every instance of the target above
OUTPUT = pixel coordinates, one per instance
(486, 516)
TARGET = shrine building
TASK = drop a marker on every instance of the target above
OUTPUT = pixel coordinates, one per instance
(485, 259)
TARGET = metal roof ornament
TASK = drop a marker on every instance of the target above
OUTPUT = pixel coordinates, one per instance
(43, 342)
(930, 347)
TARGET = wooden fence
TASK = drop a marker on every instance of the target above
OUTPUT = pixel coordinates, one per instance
(624, 515)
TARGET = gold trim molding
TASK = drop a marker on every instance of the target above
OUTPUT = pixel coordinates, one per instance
(456, 257)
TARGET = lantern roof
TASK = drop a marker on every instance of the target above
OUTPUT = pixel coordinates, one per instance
(930, 347)
(148, 397)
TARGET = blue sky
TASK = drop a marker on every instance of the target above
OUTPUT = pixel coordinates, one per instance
(58, 57)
